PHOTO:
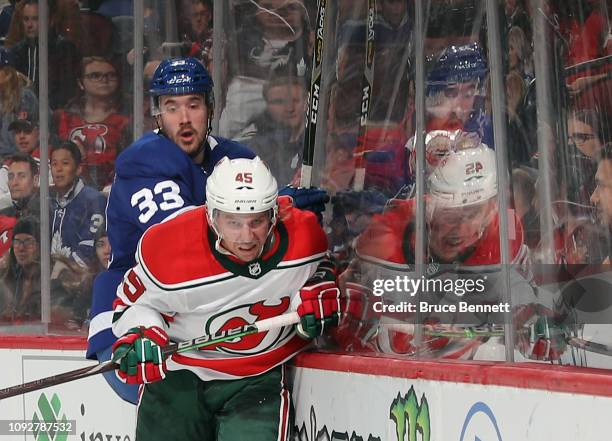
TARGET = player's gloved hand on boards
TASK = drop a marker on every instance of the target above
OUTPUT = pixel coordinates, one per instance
(320, 303)
(139, 355)
(540, 333)
(359, 321)
(311, 199)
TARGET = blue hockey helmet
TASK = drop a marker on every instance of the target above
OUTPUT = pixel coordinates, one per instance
(180, 76)
(457, 64)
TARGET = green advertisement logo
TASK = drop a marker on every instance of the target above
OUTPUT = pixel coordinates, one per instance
(49, 416)
(411, 417)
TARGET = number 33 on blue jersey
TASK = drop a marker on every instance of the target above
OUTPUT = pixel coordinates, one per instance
(146, 202)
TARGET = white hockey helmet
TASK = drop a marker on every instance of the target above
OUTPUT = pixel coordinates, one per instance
(241, 185)
(464, 177)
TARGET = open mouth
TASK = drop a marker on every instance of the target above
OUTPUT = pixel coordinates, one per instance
(453, 241)
(247, 248)
(187, 135)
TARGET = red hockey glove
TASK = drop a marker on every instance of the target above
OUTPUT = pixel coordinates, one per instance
(320, 307)
(540, 335)
(139, 355)
(358, 322)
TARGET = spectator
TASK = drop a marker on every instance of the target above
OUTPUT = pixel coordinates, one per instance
(275, 37)
(15, 31)
(519, 148)
(63, 57)
(277, 135)
(23, 190)
(516, 16)
(16, 102)
(525, 204)
(5, 18)
(199, 36)
(519, 57)
(27, 136)
(393, 25)
(103, 251)
(602, 195)
(21, 276)
(587, 131)
(94, 122)
(77, 211)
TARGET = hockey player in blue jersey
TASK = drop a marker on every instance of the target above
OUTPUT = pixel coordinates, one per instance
(159, 174)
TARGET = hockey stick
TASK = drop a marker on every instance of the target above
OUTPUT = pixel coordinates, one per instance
(590, 346)
(288, 319)
(496, 331)
(366, 97)
(313, 99)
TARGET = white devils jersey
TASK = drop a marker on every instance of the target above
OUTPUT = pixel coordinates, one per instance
(182, 284)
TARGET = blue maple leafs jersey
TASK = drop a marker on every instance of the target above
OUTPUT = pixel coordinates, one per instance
(153, 179)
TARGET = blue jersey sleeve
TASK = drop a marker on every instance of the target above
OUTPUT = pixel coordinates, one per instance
(128, 392)
(104, 292)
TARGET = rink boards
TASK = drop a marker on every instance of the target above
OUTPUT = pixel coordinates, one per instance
(342, 398)
(377, 398)
(93, 409)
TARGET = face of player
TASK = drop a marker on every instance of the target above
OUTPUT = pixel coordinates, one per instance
(393, 11)
(584, 138)
(200, 18)
(103, 251)
(25, 248)
(100, 79)
(453, 106)
(30, 21)
(64, 170)
(21, 181)
(286, 105)
(453, 231)
(602, 195)
(27, 141)
(243, 235)
(184, 119)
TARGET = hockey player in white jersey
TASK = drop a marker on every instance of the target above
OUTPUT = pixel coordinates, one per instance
(245, 256)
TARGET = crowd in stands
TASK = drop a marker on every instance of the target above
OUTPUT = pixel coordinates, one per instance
(90, 80)
(265, 74)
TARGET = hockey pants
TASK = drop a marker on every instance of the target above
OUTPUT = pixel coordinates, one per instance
(183, 407)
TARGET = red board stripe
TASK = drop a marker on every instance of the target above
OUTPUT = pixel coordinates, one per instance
(43, 342)
(584, 381)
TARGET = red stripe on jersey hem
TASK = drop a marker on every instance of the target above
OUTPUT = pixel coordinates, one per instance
(246, 366)
(585, 381)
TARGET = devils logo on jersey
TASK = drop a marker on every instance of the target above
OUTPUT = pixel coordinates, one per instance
(245, 315)
(91, 136)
